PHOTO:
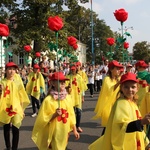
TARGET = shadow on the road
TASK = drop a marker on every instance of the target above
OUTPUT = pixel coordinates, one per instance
(26, 128)
(90, 125)
(29, 148)
(88, 109)
(84, 138)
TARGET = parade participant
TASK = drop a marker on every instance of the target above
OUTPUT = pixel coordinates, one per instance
(144, 79)
(35, 87)
(56, 117)
(104, 69)
(109, 90)
(124, 130)
(90, 75)
(77, 86)
(13, 101)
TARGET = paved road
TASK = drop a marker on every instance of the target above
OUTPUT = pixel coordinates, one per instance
(91, 128)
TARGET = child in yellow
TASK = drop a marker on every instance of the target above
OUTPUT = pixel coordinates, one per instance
(13, 101)
(124, 130)
(108, 93)
(56, 117)
(35, 87)
(78, 87)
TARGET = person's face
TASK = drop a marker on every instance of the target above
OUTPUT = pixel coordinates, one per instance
(35, 70)
(73, 71)
(106, 62)
(10, 71)
(129, 89)
(59, 85)
(115, 71)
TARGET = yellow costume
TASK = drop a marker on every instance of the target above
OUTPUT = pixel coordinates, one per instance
(77, 88)
(13, 101)
(115, 137)
(84, 76)
(35, 82)
(53, 135)
(106, 100)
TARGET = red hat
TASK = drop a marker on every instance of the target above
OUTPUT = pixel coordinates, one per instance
(141, 63)
(114, 63)
(128, 77)
(36, 66)
(78, 63)
(58, 76)
(11, 64)
(73, 68)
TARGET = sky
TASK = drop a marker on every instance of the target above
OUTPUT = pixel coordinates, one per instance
(137, 24)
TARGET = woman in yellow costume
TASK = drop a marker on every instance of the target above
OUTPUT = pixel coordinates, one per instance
(124, 130)
(13, 101)
(78, 87)
(108, 93)
(56, 117)
(35, 87)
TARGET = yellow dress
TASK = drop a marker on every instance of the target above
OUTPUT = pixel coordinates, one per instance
(53, 134)
(13, 102)
(77, 88)
(142, 98)
(35, 81)
(115, 137)
(84, 77)
(106, 99)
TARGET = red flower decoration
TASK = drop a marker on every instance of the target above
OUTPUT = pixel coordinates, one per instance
(137, 114)
(126, 45)
(37, 54)
(33, 79)
(55, 23)
(110, 41)
(72, 40)
(64, 116)
(75, 46)
(10, 112)
(138, 145)
(78, 90)
(4, 30)
(35, 89)
(27, 48)
(74, 82)
(6, 91)
(121, 15)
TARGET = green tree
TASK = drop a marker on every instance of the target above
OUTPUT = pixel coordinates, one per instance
(141, 50)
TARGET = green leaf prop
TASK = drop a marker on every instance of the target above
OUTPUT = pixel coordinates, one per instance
(52, 47)
(10, 53)
(128, 34)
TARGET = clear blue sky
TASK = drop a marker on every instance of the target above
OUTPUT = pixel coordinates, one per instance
(138, 17)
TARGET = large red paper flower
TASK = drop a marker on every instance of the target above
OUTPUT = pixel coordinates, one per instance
(37, 54)
(4, 30)
(75, 46)
(121, 15)
(27, 48)
(126, 45)
(110, 41)
(55, 23)
(64, 116)
(71, 40)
